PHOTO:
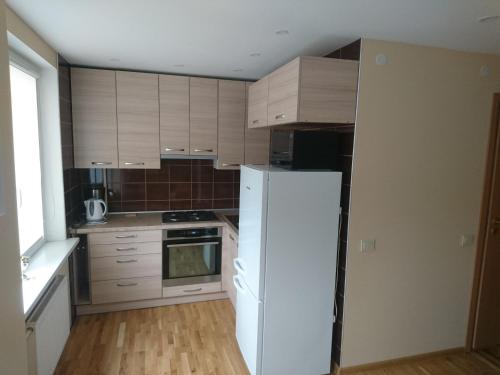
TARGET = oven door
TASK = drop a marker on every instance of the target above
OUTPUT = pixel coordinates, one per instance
(191, 257)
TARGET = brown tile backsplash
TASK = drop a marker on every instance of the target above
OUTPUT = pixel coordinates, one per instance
(180, 184)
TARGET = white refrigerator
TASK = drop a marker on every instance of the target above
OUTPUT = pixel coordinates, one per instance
(286, 269)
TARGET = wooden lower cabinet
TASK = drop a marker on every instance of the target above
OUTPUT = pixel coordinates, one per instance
(229, 252)
(111, 268)
(189, 290)
(131, 289)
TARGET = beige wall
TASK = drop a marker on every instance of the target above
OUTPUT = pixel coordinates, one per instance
(25, 33)
(419, 154)
(12, 342)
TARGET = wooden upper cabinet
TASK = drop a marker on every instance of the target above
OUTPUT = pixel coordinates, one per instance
(283, 94)
(231, 133)
(257, 103)
(174, 115)
(203, 116)
(138, 120)
(93, 94)
(257, 141)
(313, 89)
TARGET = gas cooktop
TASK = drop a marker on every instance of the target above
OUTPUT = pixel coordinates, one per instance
(187, 216)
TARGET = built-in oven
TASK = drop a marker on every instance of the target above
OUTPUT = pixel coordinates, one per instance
(191, 254)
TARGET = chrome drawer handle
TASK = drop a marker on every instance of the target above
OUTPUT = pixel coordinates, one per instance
(174, 149)
(192, 290)
(203, 150)
(130, 284)
(127, 236)
(127, 261)
(230, 165)
(126, 248)
(133, 163)
(101, 163)
(255, 121)
(280, 116)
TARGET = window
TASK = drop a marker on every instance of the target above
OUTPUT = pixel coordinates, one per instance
(27, 158)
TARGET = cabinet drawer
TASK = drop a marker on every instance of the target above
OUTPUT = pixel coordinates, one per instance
(110, 268)
(187, 290)
(125, 237)
(107, 250)
(131, 289)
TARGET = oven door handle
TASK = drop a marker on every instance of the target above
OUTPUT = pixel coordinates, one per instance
(192, 244)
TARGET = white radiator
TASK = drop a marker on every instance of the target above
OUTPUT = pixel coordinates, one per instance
(48, 328)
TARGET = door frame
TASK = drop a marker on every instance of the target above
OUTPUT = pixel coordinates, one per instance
(483, 223)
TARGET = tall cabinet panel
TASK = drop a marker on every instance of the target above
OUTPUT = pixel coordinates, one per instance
(138, 120)
(203, 116)
(257, 141)
(174, 115)
(231, 133)
(93, 94)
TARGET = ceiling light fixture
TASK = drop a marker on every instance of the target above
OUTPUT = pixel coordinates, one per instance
(493, 17)
(282, 32)
(178, 65)
(255, 54)
(114, 59)
(237, 70)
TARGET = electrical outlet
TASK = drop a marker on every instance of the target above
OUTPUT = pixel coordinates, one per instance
(367, 246)
(466, 240)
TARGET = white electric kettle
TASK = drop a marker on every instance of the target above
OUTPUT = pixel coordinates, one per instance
(95, 210)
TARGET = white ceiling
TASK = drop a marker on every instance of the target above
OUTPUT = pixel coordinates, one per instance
(215, 37)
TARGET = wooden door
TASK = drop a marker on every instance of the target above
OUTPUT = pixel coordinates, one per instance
(284, 94)
(174, 115)
(257, 103)
(487, 332)
(231, 128)
(93, 95)
(257, 141)
(138, 120)
(203, 116)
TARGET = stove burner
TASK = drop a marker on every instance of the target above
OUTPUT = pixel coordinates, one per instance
(188, 216)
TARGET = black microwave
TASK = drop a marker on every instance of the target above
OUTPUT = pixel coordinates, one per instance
(305, 149)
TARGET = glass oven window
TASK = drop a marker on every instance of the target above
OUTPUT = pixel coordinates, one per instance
(186, 260)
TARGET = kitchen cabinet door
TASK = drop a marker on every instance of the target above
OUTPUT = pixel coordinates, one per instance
(203, 116)
(284, 93)
(174, 115)
(257, 103)
(229, 253)
(138, 120)
(231, 124)
(93, 94)
(257, 142)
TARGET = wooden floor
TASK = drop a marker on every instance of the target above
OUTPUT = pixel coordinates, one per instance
(195, 338)
(198, 339)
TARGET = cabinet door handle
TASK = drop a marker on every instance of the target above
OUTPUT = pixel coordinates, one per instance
(280, 116)
(174, 149)
(126, 248)
(129, 284)
(230, 165)
(192, 290)
(101, 163)
(127, 236)
(127, 261)
(133, 163)
(203, 150)
(231, 237)
(255, 121)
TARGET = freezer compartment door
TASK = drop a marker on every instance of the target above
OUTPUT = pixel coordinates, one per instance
(249, 315)
(252, 229)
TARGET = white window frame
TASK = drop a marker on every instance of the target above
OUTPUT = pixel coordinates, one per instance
(27, 67)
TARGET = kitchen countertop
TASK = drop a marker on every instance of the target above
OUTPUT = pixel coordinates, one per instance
(141, 221)
(43, 267)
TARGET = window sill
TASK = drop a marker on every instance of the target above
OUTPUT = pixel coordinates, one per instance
(43, 267)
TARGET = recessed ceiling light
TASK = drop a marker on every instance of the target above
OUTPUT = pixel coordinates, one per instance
(237, 70)
(282, 32)
(493, 17)
(255, 54)
(114, 59)
(178, 65)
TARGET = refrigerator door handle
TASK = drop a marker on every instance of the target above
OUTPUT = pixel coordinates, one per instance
(237, 284)
(238, 264)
